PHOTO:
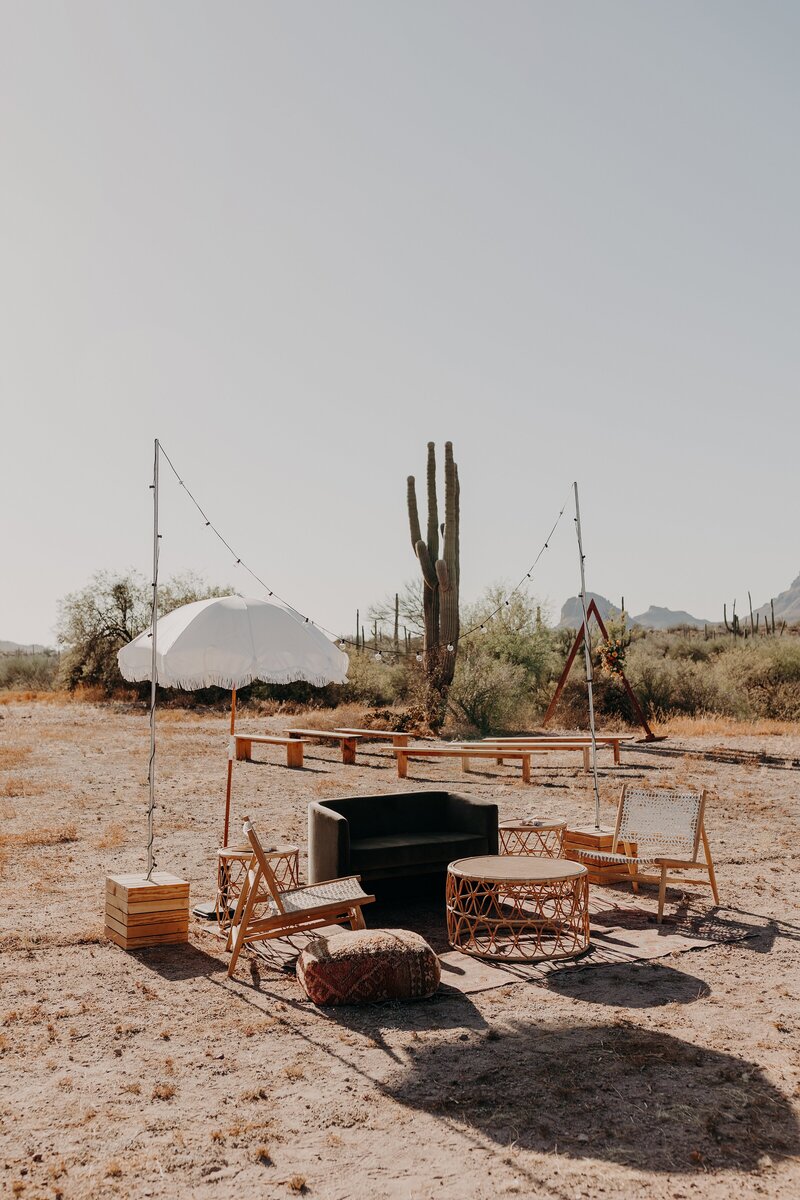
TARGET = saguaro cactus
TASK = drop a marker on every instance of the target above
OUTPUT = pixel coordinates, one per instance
(441, 580)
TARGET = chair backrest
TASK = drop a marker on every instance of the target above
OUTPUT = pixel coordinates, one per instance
(265, 869)
(662, 821)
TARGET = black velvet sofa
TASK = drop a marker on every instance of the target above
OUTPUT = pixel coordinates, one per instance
(390, 837)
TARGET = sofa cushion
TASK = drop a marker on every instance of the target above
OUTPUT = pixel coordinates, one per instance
(412, 849)
(364, 966)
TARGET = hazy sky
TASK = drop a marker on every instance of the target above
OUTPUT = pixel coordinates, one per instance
(296, 241)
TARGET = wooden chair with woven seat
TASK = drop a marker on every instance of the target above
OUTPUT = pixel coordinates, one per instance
(662, 828)
(297, 910)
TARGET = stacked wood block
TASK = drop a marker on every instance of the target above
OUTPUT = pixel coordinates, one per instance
(586, 837)
(146, 912)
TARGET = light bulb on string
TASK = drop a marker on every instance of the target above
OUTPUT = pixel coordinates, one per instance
(450, 647)
(418, 656)
(378, 656)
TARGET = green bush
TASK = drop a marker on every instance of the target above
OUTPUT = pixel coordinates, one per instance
(96, 622)
(33, 672)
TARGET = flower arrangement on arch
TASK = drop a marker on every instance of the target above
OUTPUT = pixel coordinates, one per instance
(612, 655)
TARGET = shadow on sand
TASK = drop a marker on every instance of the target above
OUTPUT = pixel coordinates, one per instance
(614, 1092)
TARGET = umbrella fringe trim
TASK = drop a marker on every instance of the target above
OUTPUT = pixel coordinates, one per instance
(194, 683)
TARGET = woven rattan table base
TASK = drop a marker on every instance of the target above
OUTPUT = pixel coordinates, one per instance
(531, 920)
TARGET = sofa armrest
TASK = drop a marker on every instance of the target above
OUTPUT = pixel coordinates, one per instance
(328, 844)
(470, 815)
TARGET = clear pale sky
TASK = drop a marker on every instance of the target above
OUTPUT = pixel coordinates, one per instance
(296, 241)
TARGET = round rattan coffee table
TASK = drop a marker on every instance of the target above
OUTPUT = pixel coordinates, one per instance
(543, 836)
(518, 908)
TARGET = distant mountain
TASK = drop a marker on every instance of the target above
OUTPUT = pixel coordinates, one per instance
(654, 618)
(667, 618)
(787, 605)
(16, 648)
(572, 614)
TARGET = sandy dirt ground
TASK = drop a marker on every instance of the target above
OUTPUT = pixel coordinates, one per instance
(152, 1074)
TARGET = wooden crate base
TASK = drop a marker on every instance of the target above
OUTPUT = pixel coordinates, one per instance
(146, 912)
(586, 837)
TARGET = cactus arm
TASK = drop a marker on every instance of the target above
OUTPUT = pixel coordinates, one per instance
(433, 507)
(428, 571)
(413, 514)
(442, 574)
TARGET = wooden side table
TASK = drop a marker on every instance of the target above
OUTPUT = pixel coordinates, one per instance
(233, 863)
(517, 908)
(542, 836)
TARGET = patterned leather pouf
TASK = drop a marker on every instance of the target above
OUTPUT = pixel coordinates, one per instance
(364, 966)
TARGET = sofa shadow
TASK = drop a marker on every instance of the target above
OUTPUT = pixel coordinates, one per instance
(614, 1092)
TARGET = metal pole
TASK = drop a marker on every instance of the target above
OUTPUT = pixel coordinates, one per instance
(151, 774)
(587, 650)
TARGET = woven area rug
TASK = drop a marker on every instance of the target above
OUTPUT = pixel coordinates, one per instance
(621, 933)
(623, 930)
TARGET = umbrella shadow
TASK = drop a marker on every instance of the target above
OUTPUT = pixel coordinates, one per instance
(585, 1092)
(632, 985)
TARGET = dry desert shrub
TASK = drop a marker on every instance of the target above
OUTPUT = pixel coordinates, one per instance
(163, 1091)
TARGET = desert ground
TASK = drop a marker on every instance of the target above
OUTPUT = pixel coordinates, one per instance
(152, 1074)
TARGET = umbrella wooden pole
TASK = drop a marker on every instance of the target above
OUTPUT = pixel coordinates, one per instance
(230, 770)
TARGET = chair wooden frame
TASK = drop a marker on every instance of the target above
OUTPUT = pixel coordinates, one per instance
(297, 910)
(665, 863)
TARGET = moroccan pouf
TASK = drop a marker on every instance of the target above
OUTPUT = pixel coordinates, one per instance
(365, 966)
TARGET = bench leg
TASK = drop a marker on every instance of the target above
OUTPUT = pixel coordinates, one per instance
(244, 750)
(464, 762)
(526, 769)
(401, 741)
(402, 766)
(348, 751)
(500, 761)
(294, 754)
(616, 753)
(587, 759)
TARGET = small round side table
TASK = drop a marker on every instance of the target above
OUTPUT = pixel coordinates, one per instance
(232, 866)
(542, 836)
(518, 908)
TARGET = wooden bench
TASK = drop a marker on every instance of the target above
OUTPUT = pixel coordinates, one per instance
(404, 753)
(347, 741)
(242, 746)
(379, 735)
(567, 741)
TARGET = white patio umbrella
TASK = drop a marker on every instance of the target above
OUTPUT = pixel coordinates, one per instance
(229, 642)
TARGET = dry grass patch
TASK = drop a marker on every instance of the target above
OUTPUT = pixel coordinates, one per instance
(716, 725)
(16, 786)
(57, 836)
(164, 1091)
(112, 837)
(14, 756)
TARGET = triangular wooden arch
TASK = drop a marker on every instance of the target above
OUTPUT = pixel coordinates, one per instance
(592, 611)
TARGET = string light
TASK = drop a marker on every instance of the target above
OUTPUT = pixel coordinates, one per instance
(348, 641)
